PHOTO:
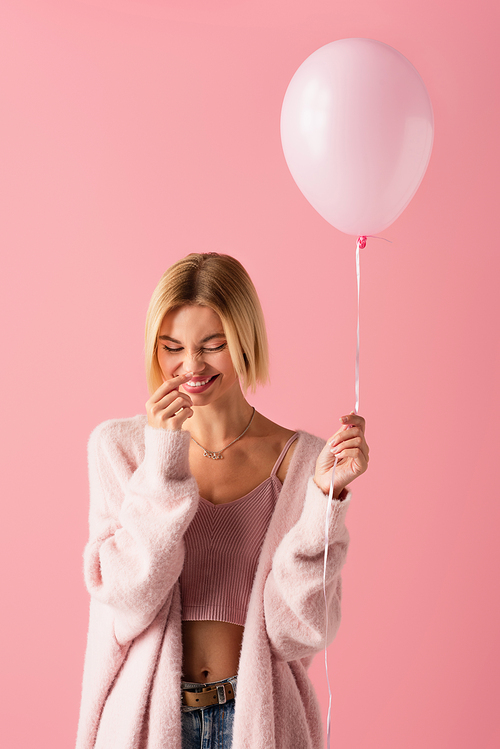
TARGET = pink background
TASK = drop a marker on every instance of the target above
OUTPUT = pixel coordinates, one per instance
(135, 132)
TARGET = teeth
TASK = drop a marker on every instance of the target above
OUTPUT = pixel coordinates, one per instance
(198, 384)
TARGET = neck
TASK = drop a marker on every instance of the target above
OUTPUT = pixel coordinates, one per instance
(216, 424)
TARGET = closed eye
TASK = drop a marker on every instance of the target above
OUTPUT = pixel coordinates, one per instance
(217, 348)
(204, 350)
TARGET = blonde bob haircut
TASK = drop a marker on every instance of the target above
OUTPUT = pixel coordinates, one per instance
(221, 283)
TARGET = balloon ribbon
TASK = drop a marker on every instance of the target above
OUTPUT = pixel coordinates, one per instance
(327, 526)
(360, 245)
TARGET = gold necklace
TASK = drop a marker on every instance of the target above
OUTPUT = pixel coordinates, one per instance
(217, 454)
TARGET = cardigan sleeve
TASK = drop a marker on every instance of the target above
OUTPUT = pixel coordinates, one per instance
(294, 603)
(139, 512)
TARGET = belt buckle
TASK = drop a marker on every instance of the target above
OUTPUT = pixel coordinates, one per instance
(221, 694)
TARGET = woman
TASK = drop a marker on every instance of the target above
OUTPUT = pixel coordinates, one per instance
(205, 558)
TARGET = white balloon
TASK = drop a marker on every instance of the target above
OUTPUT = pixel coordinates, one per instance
(357, 130)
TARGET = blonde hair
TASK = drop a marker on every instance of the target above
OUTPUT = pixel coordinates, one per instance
(221, 283)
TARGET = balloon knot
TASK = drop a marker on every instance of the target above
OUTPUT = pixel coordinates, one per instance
(362, 242)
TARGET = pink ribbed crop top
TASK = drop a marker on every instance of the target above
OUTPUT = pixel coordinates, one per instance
(222, 548)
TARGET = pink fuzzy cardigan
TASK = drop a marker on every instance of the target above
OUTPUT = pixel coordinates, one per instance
(142, 499)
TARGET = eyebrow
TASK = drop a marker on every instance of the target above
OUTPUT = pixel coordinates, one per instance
(204, 340)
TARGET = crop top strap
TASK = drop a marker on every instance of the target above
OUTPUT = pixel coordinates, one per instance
(283, 453)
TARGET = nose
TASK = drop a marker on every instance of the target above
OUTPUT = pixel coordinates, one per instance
(193, 363)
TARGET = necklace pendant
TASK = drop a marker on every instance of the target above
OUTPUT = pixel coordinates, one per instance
(217, 455)
(214, 456)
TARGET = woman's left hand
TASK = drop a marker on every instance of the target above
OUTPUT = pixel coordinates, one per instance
(349, 444)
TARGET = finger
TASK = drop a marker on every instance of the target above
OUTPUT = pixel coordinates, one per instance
(170, 397)
(353, 419)
(350, 440)
(347, 444)
(179, 419)
(345, 434)
(342, 450)
(355, 455)
(169, 405)
(339, 431)
(177, 405)
(171, 384)
(358, 453)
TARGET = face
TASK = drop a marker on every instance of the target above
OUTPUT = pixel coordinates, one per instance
(192, 339)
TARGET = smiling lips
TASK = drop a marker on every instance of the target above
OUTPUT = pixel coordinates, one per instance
(199, 386)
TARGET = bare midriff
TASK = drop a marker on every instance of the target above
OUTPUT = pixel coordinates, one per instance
(211, 650)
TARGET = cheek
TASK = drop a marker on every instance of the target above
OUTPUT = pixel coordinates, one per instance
(229, 369)
(165, 365)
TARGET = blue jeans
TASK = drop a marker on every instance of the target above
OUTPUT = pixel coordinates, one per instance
(208, 727)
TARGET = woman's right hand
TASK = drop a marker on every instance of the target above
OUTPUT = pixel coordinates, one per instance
(168, 408)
